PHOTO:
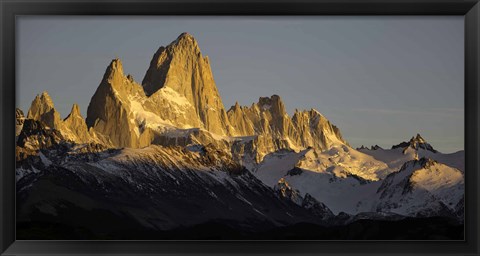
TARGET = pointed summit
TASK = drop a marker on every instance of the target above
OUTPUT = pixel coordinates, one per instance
(186, 42)
(75, 112)
(416, 142)
(108, 110)
(45, 97)
(42, 109)
(116, 64)
(419, 138)
(180, 68)
(114, 70)
(236, 107)
(183, 49)
(185, 35)
(77, 128)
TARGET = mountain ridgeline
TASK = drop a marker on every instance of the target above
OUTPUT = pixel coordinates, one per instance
(178, 98)
(164, 155)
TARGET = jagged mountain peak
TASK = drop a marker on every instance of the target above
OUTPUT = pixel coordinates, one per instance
(114, 68)
(373, 147)
(362, 147)
(75, 112)
(185, 42)
(416, 142)
(186, 37)
(235, 107)
(75, 127)
(45, 99)
(42, 109)
(184, 48)
(180, 69)
(46, 96)
(417, 139)
(116, 64)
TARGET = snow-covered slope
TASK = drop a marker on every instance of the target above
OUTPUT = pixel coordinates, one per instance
(422, 187)
(340, 177)
(349, 181)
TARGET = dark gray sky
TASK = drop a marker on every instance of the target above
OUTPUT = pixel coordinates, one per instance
(380, 79)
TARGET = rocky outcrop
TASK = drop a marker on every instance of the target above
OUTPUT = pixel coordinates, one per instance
(316, 208)
(285, 191)
(42, 109)
(35, 136)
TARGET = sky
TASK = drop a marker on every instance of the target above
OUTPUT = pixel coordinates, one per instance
(380, 79)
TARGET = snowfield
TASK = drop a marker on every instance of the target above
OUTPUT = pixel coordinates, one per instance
(353, 181)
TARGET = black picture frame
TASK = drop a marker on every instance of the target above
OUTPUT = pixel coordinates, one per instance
(10, 9)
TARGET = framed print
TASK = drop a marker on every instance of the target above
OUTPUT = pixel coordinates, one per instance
(256, 128)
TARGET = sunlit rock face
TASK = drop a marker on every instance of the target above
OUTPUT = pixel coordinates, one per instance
(42, 109)
(110, 109)
(74, 125)
(181, 70)
(275, 130)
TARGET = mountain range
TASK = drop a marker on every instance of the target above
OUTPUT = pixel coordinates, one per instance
(163, 158)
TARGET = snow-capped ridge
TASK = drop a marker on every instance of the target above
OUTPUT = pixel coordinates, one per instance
(422, 187)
